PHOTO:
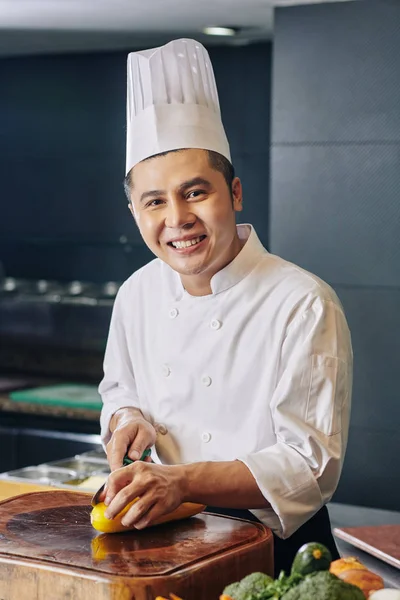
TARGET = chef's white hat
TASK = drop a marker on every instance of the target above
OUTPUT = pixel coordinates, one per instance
(172, 102)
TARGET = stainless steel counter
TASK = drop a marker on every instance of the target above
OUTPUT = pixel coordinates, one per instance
(345, 515)
(70, 473)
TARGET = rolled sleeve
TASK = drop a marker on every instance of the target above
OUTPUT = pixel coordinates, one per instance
(288, 484)
(117, 388)
(310, 410)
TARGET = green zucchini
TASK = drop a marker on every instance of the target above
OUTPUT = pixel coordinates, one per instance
(310, 558)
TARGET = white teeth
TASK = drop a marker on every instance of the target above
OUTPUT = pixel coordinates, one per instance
(186, 244)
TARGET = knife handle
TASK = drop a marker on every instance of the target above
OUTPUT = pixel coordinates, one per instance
(129, 461)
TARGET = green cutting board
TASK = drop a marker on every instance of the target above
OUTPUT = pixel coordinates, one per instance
(66, 394)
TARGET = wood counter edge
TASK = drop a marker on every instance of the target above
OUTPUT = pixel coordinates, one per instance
(9, 489)
(14, 408)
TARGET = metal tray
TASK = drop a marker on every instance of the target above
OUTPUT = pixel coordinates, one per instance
(81, 467)
(93, 456)
(43, 474)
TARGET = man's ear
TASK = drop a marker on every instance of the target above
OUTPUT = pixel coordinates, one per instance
(134, 215)
(237, 194)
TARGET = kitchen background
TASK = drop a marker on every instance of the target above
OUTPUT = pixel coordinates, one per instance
(310, 103)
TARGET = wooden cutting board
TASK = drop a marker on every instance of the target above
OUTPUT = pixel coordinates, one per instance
(382, 541)
(49, 550)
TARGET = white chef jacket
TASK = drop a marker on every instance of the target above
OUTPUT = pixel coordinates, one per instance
(260, 370)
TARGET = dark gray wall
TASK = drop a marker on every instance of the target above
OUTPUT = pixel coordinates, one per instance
(62, 156)
(335, 207)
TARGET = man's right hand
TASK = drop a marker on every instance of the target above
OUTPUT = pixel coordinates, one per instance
(131, 435)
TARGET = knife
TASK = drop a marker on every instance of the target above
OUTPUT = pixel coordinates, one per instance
(125, 462)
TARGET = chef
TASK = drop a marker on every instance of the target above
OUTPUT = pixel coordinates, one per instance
(232, 364)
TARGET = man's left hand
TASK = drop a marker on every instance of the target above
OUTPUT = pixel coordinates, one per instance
(158, 487)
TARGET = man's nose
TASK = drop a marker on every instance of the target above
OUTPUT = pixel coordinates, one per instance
(179, 214)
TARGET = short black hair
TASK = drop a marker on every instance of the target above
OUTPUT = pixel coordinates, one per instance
(217, 161)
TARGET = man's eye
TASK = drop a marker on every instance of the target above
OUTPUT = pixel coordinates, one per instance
(195, 193)
(152, 203)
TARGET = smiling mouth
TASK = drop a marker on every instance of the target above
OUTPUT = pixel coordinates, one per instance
(187, 243)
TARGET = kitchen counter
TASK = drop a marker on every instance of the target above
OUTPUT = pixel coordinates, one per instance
(47, 410)
(13, 488)
(32, 433)
(344, 515)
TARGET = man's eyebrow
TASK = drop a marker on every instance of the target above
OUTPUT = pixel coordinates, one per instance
(151, 194)
(192, 182)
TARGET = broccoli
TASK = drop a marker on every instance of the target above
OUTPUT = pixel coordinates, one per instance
(249, 588)
(254, 583)
(278, 588)
(231, 589)
(324, 586)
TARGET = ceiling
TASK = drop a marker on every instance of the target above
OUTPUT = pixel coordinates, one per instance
(44, 26)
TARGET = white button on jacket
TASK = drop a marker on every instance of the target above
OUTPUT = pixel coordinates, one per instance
(166, 370)
(281, 370)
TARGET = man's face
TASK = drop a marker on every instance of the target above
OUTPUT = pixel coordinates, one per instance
(185, 212)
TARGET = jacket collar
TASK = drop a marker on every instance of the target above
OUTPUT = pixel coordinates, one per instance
(242, 264)
(235, 271)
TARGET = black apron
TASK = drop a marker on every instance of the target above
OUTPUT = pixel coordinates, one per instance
(316, 529)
